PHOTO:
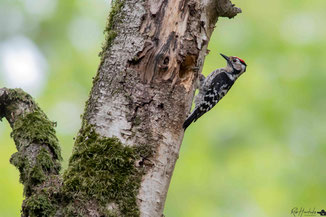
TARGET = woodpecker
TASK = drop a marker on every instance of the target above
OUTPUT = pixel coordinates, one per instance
(213, 88)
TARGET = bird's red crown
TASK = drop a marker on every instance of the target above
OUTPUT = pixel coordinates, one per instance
(241, 60)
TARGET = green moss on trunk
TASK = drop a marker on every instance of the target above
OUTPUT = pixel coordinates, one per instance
(38, 205)
(110, 30)
(104, 170)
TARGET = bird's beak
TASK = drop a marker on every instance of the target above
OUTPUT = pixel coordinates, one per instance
(227, 59)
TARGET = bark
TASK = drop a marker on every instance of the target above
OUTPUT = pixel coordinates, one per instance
(126, 150)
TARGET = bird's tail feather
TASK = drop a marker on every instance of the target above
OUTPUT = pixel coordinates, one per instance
(190, 119)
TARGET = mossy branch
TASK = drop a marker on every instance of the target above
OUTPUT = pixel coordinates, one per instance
(39, 155)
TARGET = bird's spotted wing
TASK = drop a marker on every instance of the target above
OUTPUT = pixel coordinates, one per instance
(210, 99)
(216, 91)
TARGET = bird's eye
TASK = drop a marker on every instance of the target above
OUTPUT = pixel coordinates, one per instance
(234, 60)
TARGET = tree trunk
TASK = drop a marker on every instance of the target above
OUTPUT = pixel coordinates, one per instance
(127, 147)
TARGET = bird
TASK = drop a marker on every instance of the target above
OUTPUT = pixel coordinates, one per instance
(215, 86)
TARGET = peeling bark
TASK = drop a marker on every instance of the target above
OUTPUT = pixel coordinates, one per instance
(126, 150)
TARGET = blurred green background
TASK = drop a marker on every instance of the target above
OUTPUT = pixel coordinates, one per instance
(259, 153)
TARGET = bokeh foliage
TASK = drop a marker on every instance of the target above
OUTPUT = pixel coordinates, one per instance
(260, 152)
